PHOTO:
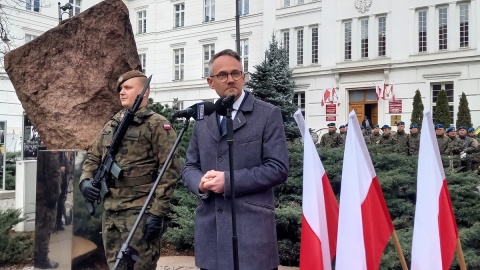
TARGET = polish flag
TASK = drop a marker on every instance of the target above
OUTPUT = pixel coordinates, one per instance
(384, 91)
(326, 96)
(435, 231)
(364, 224)
(320, 208)
(378, 91)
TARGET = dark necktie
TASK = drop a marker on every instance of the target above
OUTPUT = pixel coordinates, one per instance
(223, 126)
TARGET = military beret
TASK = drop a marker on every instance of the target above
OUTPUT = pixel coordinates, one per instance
(450, 129)
(376, 126)
(471, 130)
(127, 76)
(413, 126)
(437, 126)
(401, 123)
(331, 125)
(342, 126)
(386, 126)
(362, 127)
(462, 127)
(346, 125)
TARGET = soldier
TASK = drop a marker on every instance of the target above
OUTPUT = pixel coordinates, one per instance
(413, 140)
(375, 136)
(366, 137)
(331, 139)
(454, 147)
(141, 155)
(468, 147)
(48, 191)
(342, 130)
(387, 138)
(442, 140)
(401, 138)
(471, 134)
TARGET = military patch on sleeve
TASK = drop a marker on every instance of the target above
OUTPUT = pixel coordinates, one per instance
(167, 126)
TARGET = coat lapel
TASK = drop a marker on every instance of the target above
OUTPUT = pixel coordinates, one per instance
(212, 124)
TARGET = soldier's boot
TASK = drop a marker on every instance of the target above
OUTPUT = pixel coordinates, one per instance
(41, 260)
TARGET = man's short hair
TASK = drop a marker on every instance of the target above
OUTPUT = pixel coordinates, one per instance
(228, 52)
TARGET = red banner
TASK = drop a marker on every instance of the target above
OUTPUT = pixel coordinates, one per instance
(331, 118)
(331, 108)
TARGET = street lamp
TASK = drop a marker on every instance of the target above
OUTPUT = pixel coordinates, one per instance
(67, 8)
(3, 34)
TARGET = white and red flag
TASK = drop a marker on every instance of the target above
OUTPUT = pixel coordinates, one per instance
(320, 208)
(364, 223)
(435, 232)
(378, 91)
(326, 97)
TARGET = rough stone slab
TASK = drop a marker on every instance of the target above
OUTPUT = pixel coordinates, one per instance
(65, 79)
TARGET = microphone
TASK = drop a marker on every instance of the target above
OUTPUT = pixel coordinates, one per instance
(223, 103)
(197, 111)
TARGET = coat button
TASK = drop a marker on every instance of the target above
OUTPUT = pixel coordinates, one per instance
(220, 159)
(219, 211)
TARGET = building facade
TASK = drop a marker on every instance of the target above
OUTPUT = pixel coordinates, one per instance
(344, 53)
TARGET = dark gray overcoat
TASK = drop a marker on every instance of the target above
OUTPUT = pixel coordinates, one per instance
(261, 162)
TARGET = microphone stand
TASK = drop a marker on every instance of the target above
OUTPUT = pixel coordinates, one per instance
(128, 254)
(232, 185)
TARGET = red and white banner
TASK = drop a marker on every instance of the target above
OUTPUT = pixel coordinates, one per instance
(388, 93)
(364, 224)
(435, 231)
(320, 208)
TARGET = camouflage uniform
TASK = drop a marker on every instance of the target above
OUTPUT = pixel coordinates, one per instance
(331, 140)
(48, 191)
(469, 149)
(401, 144)
(375, 138)
(413, 144)
(143, 152)
(442, 141)
(454, 148)
(387, 139)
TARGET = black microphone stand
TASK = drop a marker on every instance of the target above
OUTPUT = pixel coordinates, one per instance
(232, 185)
(128, 254)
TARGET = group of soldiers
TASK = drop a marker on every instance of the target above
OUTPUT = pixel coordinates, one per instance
(459, 151)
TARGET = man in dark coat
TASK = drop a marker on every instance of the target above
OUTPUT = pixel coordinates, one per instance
(260, 163)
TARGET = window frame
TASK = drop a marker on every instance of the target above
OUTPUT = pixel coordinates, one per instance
(442, 28)
(244, 7)
(180, 64)
(210, 50)
(286, 43)
(422, 20)
(382, 36)
(76, 8)
(299, 45)
(32, 5)
(244, 54)
(142, 22)
(347, 40)
(449, 87)
(464, 33)
(364, 35)
(315, 45)
(299, 99)
(208, 11)
(179, 15)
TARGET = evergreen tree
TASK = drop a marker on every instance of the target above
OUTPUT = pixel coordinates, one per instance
(464, 117)
(272, 82)
(417, 113)
(442, 110)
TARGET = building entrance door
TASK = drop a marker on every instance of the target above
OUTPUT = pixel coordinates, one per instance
(364, 102)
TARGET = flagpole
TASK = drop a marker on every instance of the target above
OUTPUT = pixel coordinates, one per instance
(396, 243)
(460, 257)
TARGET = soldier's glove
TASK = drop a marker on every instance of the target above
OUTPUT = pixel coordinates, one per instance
(152, 228)
(90, 192)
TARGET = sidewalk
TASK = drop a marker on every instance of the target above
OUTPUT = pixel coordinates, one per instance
(188, 263)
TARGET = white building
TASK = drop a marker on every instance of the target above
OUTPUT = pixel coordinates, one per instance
(348, 45)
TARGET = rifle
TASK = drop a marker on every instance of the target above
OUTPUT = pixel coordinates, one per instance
(109, 165)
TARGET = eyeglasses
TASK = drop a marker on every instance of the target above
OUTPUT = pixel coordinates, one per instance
(223, 76)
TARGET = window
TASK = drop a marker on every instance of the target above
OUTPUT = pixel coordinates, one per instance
(143, 62)
(179, 60)
(286, 3)
(364, 38)
(422, 31)
(243, 7)
(179, 15)
(33, 5)
(77, 6)
(208, 52)
(300, 2)
(209, 6)
(142, 22)
(348, 40)
(299, 100)
(382, 36)
(300, 47)
(448, 87)
(29, 38)
(244, 54)
(442, 28)
(464, 8)
(315, 45)
(286, 43)
(177, 104)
